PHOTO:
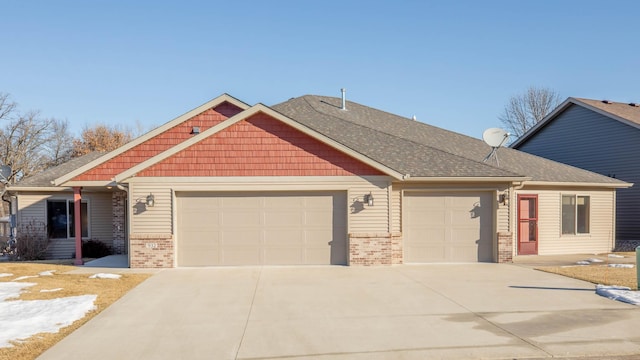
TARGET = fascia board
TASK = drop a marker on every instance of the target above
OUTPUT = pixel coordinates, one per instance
(467, 179)
(620, 185)
(244, 115)
(534, 129)
(157, 131)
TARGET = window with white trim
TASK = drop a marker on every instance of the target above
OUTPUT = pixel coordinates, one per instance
(576, 211)
(60, 221)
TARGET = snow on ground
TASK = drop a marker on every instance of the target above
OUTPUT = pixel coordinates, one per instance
(615, 256)
(5, 274)
(21, 319)
(628, 266)
(47, 273)
(619, 293)
(51, 290)
(105, 276)
(25, 277)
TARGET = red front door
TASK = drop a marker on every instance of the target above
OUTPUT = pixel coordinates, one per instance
(527, 224)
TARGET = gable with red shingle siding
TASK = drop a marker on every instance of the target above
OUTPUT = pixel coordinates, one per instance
(259, 146)
(107, 170)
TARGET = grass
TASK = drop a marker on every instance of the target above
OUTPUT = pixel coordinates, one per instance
(599, 273)
(107, 291)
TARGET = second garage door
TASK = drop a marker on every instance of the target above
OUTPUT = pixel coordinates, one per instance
(448, 227)
(274, 228)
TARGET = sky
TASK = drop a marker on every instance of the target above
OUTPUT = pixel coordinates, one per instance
(452, 64)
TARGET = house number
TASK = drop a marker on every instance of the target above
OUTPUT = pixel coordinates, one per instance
(151, 245)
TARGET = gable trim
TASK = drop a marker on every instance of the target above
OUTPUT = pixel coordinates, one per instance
(155, 132)
(242, 116)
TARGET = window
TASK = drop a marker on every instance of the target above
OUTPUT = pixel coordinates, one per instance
(575, 214)
(60, 222)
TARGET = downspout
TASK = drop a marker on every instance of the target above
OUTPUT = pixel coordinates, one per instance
(127, 231)
(77, 213)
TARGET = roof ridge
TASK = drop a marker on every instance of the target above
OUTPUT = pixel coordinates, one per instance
(403, 138)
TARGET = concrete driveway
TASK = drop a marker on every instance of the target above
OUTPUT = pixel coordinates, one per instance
(452, 311)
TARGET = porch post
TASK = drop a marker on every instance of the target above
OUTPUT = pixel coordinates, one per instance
(77, 223)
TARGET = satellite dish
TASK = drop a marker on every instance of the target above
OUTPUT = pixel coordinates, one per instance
(494, 137)
(5, 172)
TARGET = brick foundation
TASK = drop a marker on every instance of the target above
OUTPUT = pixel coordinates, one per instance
(151, 250)
(375, 249)
(505, 247)
(118, 200)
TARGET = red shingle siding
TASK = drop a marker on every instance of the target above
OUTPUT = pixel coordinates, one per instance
(259, 146)
(162, 142)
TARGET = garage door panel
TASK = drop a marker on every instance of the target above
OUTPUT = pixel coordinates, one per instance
(442, 227)
(269, 228)
(279, 218)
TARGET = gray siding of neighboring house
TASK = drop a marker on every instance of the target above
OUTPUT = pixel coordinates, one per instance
(586, 139)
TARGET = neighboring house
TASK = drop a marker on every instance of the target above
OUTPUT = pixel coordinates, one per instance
(600, 136)
(317, 180)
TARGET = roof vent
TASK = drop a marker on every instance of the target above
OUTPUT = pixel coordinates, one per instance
(344, 99)
(607, 101)
(634, 104)
(195, 130)
(414, 118)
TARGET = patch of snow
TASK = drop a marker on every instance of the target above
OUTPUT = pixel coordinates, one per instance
(105, 276)
(10, 290)
(22, 319)
(5, 274)
(583, 262)
(25, 277)
(51, 290)
(627, 266)
(47, 273)
(619, 293)
(615, 256)
(594, 260)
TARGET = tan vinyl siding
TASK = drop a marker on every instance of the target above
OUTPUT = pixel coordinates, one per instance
(396, 209)
(551, 241)
(33, 206)
(583, 138)
(364, 218)
(101, 217)
(151, 220)
(361, 217)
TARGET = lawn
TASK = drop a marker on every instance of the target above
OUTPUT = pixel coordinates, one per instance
(66, 285)
(599, 273)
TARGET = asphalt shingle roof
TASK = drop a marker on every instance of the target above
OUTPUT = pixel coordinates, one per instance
(45, 178)
(422, 150)
(623, 110)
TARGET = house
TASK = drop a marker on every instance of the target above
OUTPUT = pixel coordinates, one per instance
(600, 136)
(316, 180)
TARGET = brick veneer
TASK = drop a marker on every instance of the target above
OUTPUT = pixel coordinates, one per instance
(505, 247)
(151, 250)
(118, 200)
(375, 249)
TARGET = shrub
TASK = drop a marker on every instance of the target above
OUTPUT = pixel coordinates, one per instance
(32, 241)
(95, 249)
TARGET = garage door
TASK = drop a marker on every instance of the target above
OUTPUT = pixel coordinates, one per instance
(273, 228)
(448, 227)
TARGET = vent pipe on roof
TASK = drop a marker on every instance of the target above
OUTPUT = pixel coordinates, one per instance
(606, 101)
(344, 99)
(634, 104)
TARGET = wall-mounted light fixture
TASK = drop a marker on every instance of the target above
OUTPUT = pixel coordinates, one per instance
(368, 199)
(151, 200)
(504, 197)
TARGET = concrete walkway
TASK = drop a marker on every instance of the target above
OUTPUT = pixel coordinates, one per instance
(461, 311)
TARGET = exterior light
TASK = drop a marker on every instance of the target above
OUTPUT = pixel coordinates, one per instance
(369, 199)
(504, 197)
(151, 201)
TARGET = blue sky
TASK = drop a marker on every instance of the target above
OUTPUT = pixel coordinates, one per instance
(453, 64)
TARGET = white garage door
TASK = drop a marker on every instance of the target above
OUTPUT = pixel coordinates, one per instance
(448, 227)
(274, 228)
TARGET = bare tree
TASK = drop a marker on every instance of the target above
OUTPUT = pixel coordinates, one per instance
(100, 138)
(30, 143)
(525, 110)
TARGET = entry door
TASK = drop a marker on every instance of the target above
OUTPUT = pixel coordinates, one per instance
(527, 224)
